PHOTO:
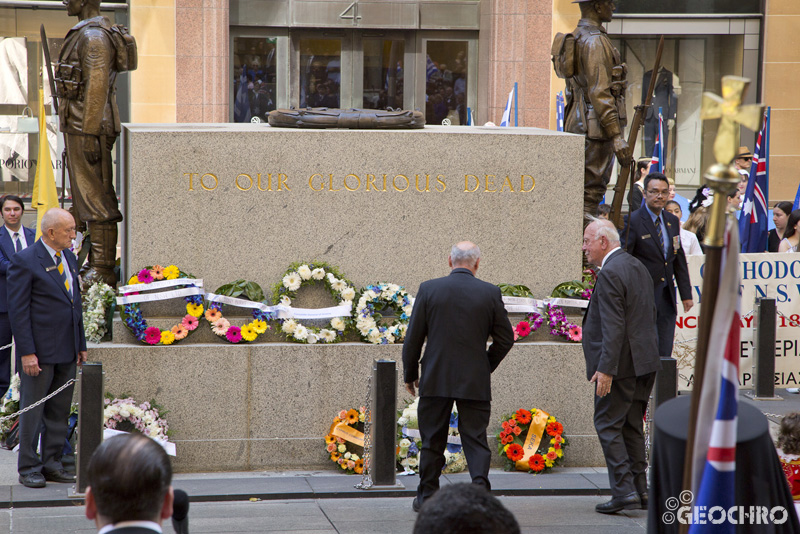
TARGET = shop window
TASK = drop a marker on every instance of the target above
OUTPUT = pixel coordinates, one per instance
(383, 73)
(320, 72)
(254, 78)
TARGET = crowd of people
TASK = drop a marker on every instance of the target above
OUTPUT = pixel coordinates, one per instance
(446, 91)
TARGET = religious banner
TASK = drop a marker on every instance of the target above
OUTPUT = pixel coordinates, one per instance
(774, 276)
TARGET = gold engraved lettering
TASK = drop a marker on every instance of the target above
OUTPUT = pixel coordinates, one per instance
(522, 183)
(191, 176)
(269, 183)
(427, 183)
(203, 182)
(466, 183)
(330, 183)
(348, 187)
(371, 180)
(440, 181)
(311, 182)
(489, 179)
(282, 182)
(394, 182)
(239, 187)
(384, 183)
(507, 182)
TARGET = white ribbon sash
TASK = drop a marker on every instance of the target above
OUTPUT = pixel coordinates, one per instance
(196, 282)
(569, 303)
(287, 312)
(522, 305)
(164, 295)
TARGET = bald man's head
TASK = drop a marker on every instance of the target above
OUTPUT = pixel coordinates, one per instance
(58, 228)
(466, 255)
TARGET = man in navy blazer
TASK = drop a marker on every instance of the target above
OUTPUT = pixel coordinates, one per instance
(44, 303)
(619, 345)
(664, 258)
(13, 237)
(457, 314)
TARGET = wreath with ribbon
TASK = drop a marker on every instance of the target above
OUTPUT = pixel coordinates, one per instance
(345, 440)
(154, 277)
(409, 442)
(253, 298)
(532, 441)
(376, 299)
(127, 415)
(311, 273)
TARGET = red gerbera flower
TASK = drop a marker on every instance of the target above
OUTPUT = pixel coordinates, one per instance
(523, 328)
(523, 416)
(555, 429)
(536, 463)
(515, 452)
(152, 335)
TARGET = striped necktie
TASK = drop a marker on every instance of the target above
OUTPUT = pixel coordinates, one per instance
(660, 235)
(61, 272)
(17, 242)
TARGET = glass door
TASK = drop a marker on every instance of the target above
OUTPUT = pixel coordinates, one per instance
(258, 84)
(382, 78)
(447, 76)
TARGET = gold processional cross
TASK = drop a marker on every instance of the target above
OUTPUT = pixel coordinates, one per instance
(729, 108)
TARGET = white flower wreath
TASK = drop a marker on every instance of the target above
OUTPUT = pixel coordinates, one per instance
(377, 297)
(337, 285)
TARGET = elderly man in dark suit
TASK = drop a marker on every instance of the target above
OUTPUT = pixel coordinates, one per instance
(13, 238)
(619, 344)
(652, 236)
(130, 486)
(44, 303)
(457, 314)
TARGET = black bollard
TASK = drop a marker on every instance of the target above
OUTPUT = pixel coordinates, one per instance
(764, 348)
(384, 423)
(666, 381)
(90, 419)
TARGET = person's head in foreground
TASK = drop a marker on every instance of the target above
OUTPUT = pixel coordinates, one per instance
(789, 433)
(129, 479)
(464, 509)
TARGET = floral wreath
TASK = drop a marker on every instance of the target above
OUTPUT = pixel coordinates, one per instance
(376, 298)
(126, 415)
(247, 332)
(409, 442)
(556, 319)
(346, 451)
(152, 335)
(99, 300)
(337, 285)
(516, 434)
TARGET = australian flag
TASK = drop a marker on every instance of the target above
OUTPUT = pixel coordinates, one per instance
(560, 111)
(753, 223)
(657, 163)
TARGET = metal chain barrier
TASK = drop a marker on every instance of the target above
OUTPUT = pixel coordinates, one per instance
(37, 403)
(7, 346)
(366, 479)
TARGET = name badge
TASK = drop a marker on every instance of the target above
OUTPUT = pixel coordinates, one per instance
(676, 243)
(646, 236)
(48, 269)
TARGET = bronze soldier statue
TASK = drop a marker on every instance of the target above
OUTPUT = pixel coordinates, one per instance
(94, 52)
(595, 96)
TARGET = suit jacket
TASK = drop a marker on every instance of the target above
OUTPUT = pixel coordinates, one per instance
(642, 243)
(6, 251)
(43, 319)
(456, 314)
(619, 329)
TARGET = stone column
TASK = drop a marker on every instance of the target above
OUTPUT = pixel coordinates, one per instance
(201, 57)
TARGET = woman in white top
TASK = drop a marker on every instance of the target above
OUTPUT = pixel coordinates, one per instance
(791, 237)
(689, 242)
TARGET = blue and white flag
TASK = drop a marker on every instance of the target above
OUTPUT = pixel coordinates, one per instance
(715, 443)
(430, 69)
(754, 221)
(560, 111)
(507, 112)
(241, 106)
(657, 162)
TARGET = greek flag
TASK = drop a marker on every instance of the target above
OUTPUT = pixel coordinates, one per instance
(754, 221)
(715, 445)
(430, 69)
(657, 163)
(507, 112)
(560, 111)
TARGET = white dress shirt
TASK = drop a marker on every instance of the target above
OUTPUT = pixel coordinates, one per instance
(21, 236)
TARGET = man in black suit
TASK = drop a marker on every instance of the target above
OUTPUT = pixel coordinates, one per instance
(44, 303)
(129, 489)
(457, 314)
(13, 238)
(619, 344)
(652, 236)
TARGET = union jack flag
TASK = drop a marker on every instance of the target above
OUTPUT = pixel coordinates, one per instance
(560, 111)
(657, 163)
(754, 223)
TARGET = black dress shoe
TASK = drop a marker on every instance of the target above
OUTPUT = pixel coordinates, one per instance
(415, 505)
(58, 476)
(32, 480)
(626, 502)
(643, 498)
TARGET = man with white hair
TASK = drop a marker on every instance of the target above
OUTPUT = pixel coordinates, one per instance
(44, 308)
(457, 314)
(621, 351)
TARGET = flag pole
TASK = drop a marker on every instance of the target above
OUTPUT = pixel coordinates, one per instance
(516, 105)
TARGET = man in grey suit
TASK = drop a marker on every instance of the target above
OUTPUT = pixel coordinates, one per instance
(621, 351)
(457, 314)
